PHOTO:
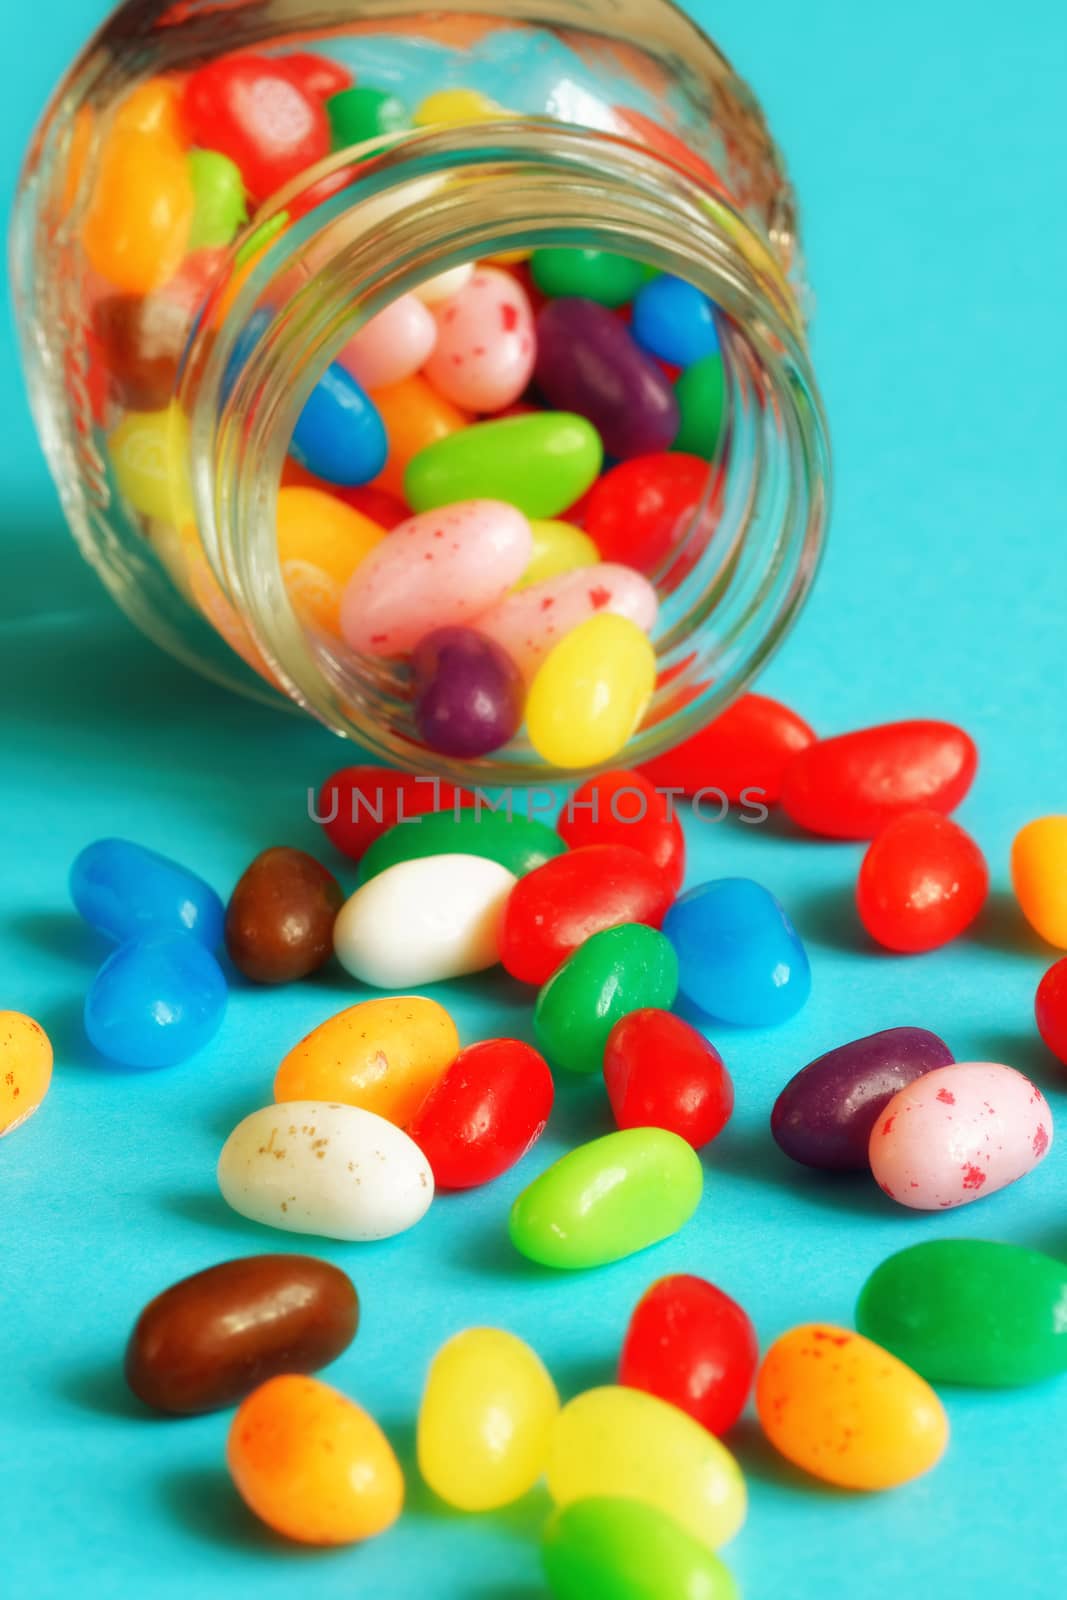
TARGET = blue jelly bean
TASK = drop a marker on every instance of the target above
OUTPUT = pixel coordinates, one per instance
(125, 890)
(340, 435)
(675, 321)
(739, 957)
(155, 1001)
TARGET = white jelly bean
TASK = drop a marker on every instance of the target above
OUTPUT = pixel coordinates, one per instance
(532, 622)
(393, 345)
(486, 347)
(446, 285)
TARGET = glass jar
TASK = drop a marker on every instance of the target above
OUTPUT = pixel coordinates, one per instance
(610, 125)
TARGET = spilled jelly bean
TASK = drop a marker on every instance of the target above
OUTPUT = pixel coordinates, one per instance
(356, 805)
(1050, 1009)
(558, 547)
(922, 882)
(739, 956)
(469, 694)
(392, 346)
(612, 973)
(484, 1113)
(691, 1345)
(641, 511)
(519, 843)
(540, 463)
(590, 693)
(622, 807)
(675, 321)
(340, 435)
(252, 110)
(700, 395)
(588, 363)
(124, 889)
(743, 753)
(611, 1548)
(661, 1073)
(1039, 877)
(279, 922)
(156, 1001)
(25, 1069)
(484, 354)
(530, 623)
(611, 280)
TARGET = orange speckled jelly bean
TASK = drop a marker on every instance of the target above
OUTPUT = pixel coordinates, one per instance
(25, 1068)
(321, 542)
(847, 1411)
(414, 416)
(137, 226)
(312, 1464)
(1039, 876)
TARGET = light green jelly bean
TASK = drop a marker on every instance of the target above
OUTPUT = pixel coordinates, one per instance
(540, 463)
(219, 194)
(518, 843)
(611, 974)
(608, 1549)
(598, 275)
(608, 1199)
(701, 392)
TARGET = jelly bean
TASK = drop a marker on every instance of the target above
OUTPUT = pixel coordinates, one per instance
(209, 1340)
(742, 754)
(846, 1411)
(650, 132)
(662, 1073)
(415, 417)
(824, 1115)
(532, 622)
(453, 108)
(590, 692)
(392, 346)
(469, 694)
(693, 1346)
(1039, 877)
(424, 920)
(959, 1133)
(967, 1311)
(484, 1423)
(25, 1069)
(851, 786)
(484, 1114)
(279, 922)
(539, 463)
(484, 355)
(700, 395)
(158, 999)
(317, 75)
(564, 274)
(642, 510)
(445, 285)
(607, 1199)
(675, 321)
(339, 435)
(377, 504)
(587, 362)
(359, 114)
(556, 908)
(321, 542)
(519, 843)
(922, 882)
(611, 974)
(620, 1442)
(152, 107)
(622, 807)
(443, 567)
(1050, 1009)
(738, 953)
(124, 889)
(143, 337)
(358, 804)
(382, 1055)
(136, 228)
(148, 453)
(219, 196)
(558, 547)
(249, 108)
(310, 1166)
(606, 1548)
(312, 1464)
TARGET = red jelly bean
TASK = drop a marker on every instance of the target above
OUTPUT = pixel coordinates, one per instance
(250, 109)
(746, 749)
(484, 1114)
(316, 75)
(357, 804)
(624, 808)
(557, 907)
(642, 509)
(1050, 1008)
(851, 786)
(922, 882)
(693, 1346)
(662, 1073)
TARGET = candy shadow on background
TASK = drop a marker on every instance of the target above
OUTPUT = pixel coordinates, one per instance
(750, 1153)
(61, 935)
(204, 1502)
(101, 1388)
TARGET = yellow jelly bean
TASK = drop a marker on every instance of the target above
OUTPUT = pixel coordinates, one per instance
(137, 224)
(321, 542)
(557, 547)
(25, 1068)
(383, 1055)
(1039, 873)
(845, 1410)
(149, 457)
(452, 108)
(485, 1420)
(626, 1443)
(590, 692)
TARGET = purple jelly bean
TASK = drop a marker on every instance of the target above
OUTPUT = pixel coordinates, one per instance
(588, 362)
(824, 1116)
(469, 694)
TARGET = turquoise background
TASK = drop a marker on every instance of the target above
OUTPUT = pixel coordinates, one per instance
(928, 145)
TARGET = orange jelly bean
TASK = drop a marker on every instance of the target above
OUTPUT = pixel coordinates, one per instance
(312, 1464)
(414, 416)
(153, 107)
(25, 1068)
(137, 226)
(845, 1410)
(321, 542)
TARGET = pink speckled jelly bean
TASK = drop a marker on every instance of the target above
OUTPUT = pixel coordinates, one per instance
(486, 346)
(443, 567)
(959, 1133)
(393, 345)
(529, 624)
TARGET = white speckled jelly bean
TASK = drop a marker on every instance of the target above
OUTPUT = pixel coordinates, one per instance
(309, 1166)
(531, 622)
(959, 1133)
(443, 567)
(486, 346)
(446, 285)
(393, 345)
(423, 920)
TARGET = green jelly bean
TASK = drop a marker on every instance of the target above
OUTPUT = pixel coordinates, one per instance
(701, 392)
(607, 1549)
(598, 275)
(969, 1311)
(608, 1199)
(540, 463)
(518, 843)
(219, 195)
(614, 972)
(357, 115)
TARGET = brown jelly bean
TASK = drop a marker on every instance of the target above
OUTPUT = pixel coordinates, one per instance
(211, 1339)
(279, 922)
